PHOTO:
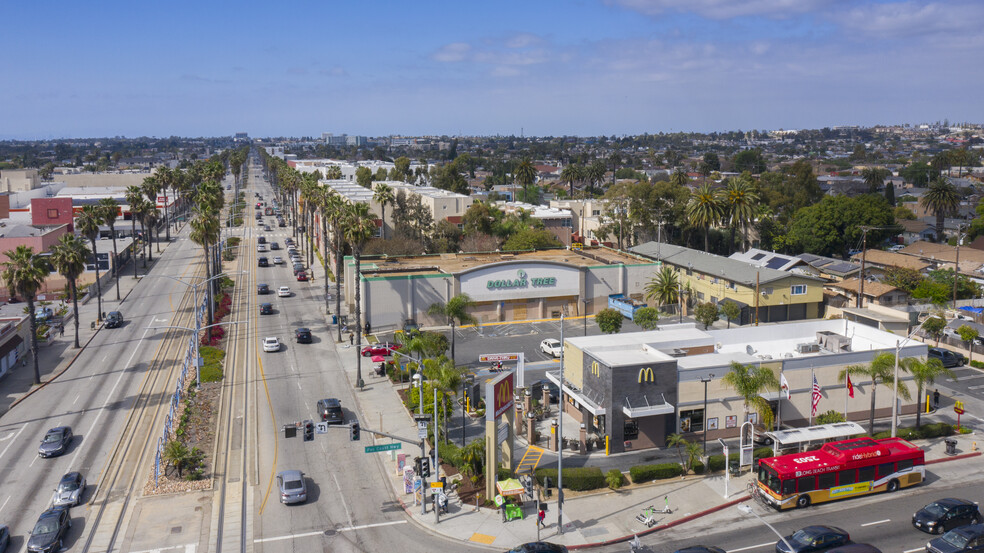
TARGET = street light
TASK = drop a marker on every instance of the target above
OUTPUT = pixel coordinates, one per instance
(705, 380)
(585, 313)
(419, 380)
(748, 511)
(895, 387)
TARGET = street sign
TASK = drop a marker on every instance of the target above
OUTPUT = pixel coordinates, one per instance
(422, 433)
(437, 484)
(422, 418)
(321, 428)
(384, 447)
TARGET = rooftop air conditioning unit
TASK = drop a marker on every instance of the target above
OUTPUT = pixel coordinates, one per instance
(811, 347)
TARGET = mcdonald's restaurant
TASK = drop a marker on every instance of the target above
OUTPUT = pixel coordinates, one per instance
(638, 388)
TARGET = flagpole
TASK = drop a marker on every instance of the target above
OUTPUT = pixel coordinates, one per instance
(779, 403)
(813, 378)
(847, 392)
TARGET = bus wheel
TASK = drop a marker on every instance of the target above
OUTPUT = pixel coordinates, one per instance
(893, 485)
(803, 501)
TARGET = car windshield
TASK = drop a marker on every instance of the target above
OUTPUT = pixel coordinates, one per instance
(293, 485)
(956, 539)
(934, 509)
(803, 537)
(68, 485)
(53, 437)
(46, 525)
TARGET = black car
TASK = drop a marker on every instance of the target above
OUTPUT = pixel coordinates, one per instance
(50, 530)
(266, 228)
(303, 335)
(298, 268)
(266, 309)
(274, 246)
(262, 288)
(261, 240)
(288, 240)
(55, 441)
(814, 538)
(856, 548)
(263, 262)
(4, 538)
(330, 410)
(946, 514)
(539, 547)
(114, 319)
(947, 357)
(281, 223)
(965, 538)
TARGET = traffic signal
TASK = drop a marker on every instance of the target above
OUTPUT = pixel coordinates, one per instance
(416, 465)
(308, 431)
(354, 431)
(528, 485)
(425, 467)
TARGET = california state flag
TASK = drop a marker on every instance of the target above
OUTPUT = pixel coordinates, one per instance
(784, 385)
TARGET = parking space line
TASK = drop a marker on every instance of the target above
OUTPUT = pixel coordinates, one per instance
(876, 522)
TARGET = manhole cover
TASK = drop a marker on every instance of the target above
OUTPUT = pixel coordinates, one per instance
(331, 532)
(176, 530)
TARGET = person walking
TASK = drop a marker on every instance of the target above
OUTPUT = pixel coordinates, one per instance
(351, 339)
(368, 329)
(540, 516)
(936, 398)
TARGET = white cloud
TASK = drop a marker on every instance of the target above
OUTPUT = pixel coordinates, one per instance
(453, 52)
(725, 9)
(522, 40)
(905, 19)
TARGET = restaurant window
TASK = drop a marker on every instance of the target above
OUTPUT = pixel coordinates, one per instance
(630, 430)
(692, 421)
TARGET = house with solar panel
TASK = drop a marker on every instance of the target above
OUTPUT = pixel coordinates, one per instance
(765, 294)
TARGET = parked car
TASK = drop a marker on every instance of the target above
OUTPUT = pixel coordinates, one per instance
(302, 335)
(551, 346)
(266, 309)
(814, 538)
(946, 514)
(262, 289)
(700, 549)
(965, 538)
(271, 344)
(55, 442)
(330, 411)
(42, 314)
(49, 531)
(855, 548)
(283, 292)
(266, 228)
(411, 327)
(302, 276)
(289, 241)
(293, 489)
(947, 357)
(69, 491)
(261, 240)
(382, 348)
(539, 547)
(114, 319)
(263, 262)
(298, 268)
(4, 538)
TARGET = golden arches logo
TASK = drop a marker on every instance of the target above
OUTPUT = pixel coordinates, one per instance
(504, 393)
(646, 375)
(595, 370)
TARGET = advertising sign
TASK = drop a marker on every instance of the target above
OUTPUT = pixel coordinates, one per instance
(499, 392)
(493, 357)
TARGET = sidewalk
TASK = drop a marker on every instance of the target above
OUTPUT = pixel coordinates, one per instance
(589, 519)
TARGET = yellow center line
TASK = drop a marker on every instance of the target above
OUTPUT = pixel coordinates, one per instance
(266, 388)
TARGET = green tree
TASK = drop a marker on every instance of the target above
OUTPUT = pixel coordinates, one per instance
(967, 334)
(456, 313)
(739, 201)
(731, 311)
(830, 417)
(609, 320)
(402, 166)
(942, 200)
(647, 318)
(68, 257)
(23, 274)
(570, 174)
(110, 211)
(704, 209)
(875, 177)
(529, 239)
(363, 176)
(934, 327)
(447, 377)
(749, 382)
(526, 175)
(382, 195)
(679, 442)
(831, 226)
(881, 370)
(925, 373)
(663, 287)
(706, 313)
(750, 160)
(134, 197)
(87, 222)
(176, 454)
(694, 453)
(903, 278)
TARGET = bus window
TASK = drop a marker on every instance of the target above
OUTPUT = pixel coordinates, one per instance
(847, 476)
(905, 465)
(828, 480)
(885, 469)
(789, 486)
(769, 478)
(807, 483)
(866, 474)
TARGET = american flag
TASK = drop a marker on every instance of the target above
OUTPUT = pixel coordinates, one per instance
(816, 395)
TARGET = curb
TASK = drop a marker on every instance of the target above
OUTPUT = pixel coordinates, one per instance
(954, 458)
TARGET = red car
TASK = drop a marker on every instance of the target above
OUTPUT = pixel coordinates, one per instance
(382, 348)
(301, 276)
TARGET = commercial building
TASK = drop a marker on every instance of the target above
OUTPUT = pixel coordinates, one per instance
(638, 388)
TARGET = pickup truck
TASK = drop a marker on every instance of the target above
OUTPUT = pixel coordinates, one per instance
(624, 305)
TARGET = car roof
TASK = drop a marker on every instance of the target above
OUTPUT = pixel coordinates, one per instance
(71, 477)
(971, 531)
(331, 402)
(269, 338)
(291, 475)
(303, 329)
(59, 429)
(855, 548)
(953, 501)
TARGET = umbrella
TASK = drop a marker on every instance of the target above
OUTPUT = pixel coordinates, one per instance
(378, 359)
(509, 486)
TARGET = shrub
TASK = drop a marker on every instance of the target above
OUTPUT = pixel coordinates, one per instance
(614, 478)
(977, 364)
(698, 467)
(762, 452)
(646, 473)
(577, 479)
(936, 430)
(716, 462)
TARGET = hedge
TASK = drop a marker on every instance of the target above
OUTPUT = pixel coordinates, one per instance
(577, 479)
(698, 467)
(647, 473)
(925, 431)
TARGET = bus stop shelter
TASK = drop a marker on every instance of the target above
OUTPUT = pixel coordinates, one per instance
(801, 438)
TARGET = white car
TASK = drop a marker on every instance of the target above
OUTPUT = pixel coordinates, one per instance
(551, 346)
(271, 344)
(261, 248)
(277, 260)
(283, 292)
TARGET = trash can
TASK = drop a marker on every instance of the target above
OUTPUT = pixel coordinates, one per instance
(334, 319)
(951, 446)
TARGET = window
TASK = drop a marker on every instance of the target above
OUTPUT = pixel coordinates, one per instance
(827, 480)
(700, 296)
(630, 430)
(905, 465)
(807, 483)
(866, 474)
(885, 469)
(798, 289)
(789, 486)
(848, 476)
(732, 285)
(52, 213)
(696, 418)
(767, 291)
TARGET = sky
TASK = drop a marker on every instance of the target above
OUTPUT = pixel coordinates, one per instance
(503, 67)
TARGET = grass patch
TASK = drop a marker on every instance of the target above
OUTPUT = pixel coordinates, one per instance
(212, 358)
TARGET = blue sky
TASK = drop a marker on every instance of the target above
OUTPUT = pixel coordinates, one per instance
(546, 67)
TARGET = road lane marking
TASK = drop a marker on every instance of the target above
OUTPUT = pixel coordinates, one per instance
(76, 399)
(188, 548)
(4, 503)
(352, 529)
(771, 543)
(876, 522)
(36, 457)
(4, 452)
(914, 550)
(341, 496)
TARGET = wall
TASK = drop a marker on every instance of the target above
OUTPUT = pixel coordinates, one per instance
(105, 179)
(388, 301)
(504, 281)
(60, 208)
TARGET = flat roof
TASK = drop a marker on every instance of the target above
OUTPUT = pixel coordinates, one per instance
(716, 265)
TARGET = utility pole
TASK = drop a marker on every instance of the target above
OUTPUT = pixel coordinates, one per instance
(864, 250)
(560, 437)
(956, 269)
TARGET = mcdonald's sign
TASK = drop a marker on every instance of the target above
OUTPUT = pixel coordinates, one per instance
(502, 394)
(646, 375)
(595, 370)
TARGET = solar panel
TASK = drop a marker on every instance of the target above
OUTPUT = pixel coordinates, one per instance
(776, 262)
(758, 256)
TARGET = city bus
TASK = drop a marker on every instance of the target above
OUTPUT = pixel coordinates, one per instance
(839, 470)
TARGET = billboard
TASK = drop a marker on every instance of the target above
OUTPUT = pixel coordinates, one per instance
(499, 393)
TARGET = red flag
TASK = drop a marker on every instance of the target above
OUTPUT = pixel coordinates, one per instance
(850, 387)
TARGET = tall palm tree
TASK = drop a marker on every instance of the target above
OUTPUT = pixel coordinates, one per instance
(150, 187)
(24, 274)
(455, 311)
(663, 287)
(526, 176)
(88, 222)
(594, 174)
(875, 177)
(133, 197)
(110, 210)
(383, 194)
(443, 374)
(571, 174)
(881, 370)
(740, 200)
(679, 178)
(334, 211)
(703, 210)
(151, 218)
(165, 179)
(359, 227)
(750, 381)
(205, 231)
(68, 256)
(924, 373)
(941, 199)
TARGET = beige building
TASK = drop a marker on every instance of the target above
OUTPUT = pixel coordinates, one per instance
(19, 180)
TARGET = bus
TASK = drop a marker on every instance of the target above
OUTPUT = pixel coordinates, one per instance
(839, 470)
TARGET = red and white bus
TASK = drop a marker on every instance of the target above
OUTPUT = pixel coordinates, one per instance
(839, 470)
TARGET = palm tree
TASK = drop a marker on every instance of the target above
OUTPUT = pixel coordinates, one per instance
(526, 176)
(333, 210)
(110, 210)
(68, 256)
(739, 203)
(663, 287)
(88, 222)
(571, 174)
(151, 217)
(925, 373)
(941, 199)
(359, 226)
(164, 179)
(703, 210)
(680, 178)
(595, 173)
(24, 274)
(750, 381)
(455, 311)
(133, 197)
(150, 187)
(881, 369)
(875, 177)
(442, 373)
(205, 231)
(383, 194)
(677, 441)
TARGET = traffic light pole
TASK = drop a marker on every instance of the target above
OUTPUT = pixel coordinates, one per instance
(423, 454)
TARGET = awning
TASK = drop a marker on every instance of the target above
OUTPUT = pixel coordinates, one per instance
(11, 345)
(647, 409)
(772, 396)
(509, 486)
(591, 406)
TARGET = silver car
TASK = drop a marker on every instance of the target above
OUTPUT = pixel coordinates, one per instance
(69, 491)
(293, 489)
